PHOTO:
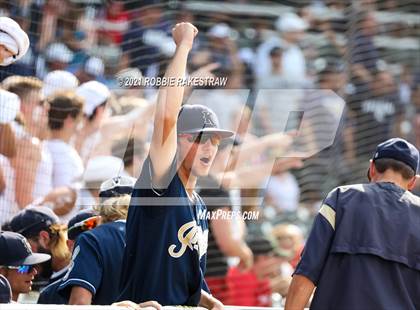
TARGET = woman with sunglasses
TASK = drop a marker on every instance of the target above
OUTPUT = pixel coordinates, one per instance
(17, 262)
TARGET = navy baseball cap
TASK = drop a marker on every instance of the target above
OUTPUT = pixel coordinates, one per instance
(31, 220)
(75, 225)
(117, 186)
(197, 119)
(398, 149)
(16, 251)
(5, 291)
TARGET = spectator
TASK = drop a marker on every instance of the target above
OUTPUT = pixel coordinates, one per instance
(132, 152)
(98, 169)
(9, 107)
(115, 21)
(147, 39)
(93, 69)
(375, 111)
(59, 80)
(224, 240)
(81, 222)
(64, 115)
(45, 234)
(32, 163)
(57, 57)
(290, 241)
(96, 96)
(18, 264)
(254, 288)
(291, 28)
(364, 55)
(97, 258)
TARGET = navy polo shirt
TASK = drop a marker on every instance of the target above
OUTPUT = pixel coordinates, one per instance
(96, 263)
(363, 250)
(165, 256)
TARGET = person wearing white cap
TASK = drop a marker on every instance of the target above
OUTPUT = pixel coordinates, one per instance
(291, 28)
(98, 169)
(93, 69)
(14, 42)
(96, 96)
(59, 80)
(58, 56)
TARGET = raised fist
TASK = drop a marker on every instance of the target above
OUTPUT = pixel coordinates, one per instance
(184, 33)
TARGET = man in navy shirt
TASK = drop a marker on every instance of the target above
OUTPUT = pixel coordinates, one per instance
(165, 255)
(362, 252)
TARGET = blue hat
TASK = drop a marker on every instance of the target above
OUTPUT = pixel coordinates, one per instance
(197, 119)
(398, 149)
(75, 225)
(31, 220)
(15, 251)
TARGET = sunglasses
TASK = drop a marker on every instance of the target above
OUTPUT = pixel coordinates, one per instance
(23, 269)
(202, 138)
(88, 224)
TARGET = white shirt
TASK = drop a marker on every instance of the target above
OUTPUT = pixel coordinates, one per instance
(8, 205)
(67, 165)
(43, 180)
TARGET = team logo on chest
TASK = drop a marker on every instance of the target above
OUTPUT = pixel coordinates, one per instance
(190, 236)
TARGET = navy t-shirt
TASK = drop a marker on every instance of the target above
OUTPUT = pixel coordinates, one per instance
(363, 250)
(165, 256)
(96, 263)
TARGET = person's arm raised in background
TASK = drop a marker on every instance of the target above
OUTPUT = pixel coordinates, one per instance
(164, 140)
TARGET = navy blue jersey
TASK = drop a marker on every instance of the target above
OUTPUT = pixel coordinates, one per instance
(96, 263)
(165, 256)
(363, 250)
(49, 295)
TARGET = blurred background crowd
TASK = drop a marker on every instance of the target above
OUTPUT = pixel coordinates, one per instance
(352, 66)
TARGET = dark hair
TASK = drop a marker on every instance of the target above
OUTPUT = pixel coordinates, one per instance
(383, 164)
(126, 150)
(95, 111)
(62, 105)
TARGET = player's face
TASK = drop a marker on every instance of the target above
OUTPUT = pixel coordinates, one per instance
(21, 279)
(199, 152)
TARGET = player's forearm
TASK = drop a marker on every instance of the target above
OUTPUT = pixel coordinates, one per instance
(170, 97)
(299, 293)
(209, 302)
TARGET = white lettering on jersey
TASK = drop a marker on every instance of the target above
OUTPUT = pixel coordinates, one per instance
(192, 236)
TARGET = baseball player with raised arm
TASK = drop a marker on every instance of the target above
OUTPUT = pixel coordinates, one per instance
(165, 255)
(363, 250)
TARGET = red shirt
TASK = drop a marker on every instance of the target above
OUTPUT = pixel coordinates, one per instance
(245, 289)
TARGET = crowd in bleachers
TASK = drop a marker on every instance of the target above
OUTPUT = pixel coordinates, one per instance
(76, 127)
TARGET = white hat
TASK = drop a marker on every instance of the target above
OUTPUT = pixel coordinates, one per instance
(94, 93)
(289, 22)
(14, 39)
(95, 66)
(220, 31)
(101, 168)
(59, 52)
(59, 80)
(9, 106)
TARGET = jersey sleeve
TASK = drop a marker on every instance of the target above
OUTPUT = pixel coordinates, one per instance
(318, 245)
(86, 267)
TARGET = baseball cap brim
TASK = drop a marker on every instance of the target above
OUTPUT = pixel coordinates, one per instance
(221, 132)
(33, 259)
